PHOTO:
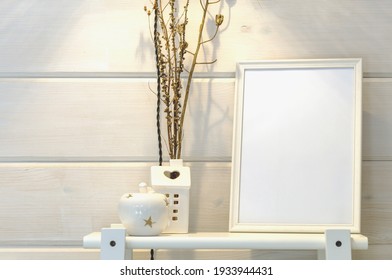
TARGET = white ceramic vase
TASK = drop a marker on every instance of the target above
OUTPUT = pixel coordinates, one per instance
(144, 213)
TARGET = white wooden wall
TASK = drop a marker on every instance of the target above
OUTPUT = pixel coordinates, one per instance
(77, 126)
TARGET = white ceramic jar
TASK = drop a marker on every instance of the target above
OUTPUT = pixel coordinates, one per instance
(144, 213)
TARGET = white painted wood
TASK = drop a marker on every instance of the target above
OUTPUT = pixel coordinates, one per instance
(310, 29)
(73, 35)
(89, 116)
(377, 201)
(38, 35)
(225, 240)
(48, 253)
(161, 175)
(57, 204)
(377, 119)
(375, 252)
(227, 254)
(112, 244)
(177, 190)
(78, 253)
(297, 142)
(73, 199)
(81, 197)
(338, 244)
(321, 254)
(107, 119)
(103, 120)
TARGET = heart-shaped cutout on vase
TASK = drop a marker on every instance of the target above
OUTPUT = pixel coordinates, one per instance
(172, 174)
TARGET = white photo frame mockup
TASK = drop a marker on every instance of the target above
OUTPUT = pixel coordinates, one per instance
(297, 146)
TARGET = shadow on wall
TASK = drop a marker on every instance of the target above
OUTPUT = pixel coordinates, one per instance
(199, 124)
(201, 107)
(201, 99)
(202, 125)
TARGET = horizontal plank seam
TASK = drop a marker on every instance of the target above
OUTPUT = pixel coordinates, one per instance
(110, 75)
(149, 75)
(55, 159)
(77, 244)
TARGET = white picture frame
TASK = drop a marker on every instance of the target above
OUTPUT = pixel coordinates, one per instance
(297, 146)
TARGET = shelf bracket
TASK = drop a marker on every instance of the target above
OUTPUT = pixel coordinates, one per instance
(113, 244)
(337, 244)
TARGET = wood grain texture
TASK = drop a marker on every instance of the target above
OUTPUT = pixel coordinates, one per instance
(63, 119)
(70, 253)
(57, 204)
(377, 201)
(107, 119)
(72, 143)
(377, 119)
(113, 36)
(48, 253)
(375, 252)
(60, 203)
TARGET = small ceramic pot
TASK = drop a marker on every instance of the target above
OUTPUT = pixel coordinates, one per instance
(144, 213)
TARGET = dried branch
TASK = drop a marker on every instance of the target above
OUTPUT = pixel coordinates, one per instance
(210, 62)
(171, 49)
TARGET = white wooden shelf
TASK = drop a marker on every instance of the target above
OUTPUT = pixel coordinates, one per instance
(224, 240)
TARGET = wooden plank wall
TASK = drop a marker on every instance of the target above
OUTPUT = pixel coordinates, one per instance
(77, 115)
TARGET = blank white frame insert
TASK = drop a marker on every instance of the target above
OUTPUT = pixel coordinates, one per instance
(297, 146)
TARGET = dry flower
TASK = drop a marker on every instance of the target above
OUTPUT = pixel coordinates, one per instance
(181, 28)
(219, 19)
(171, 47)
